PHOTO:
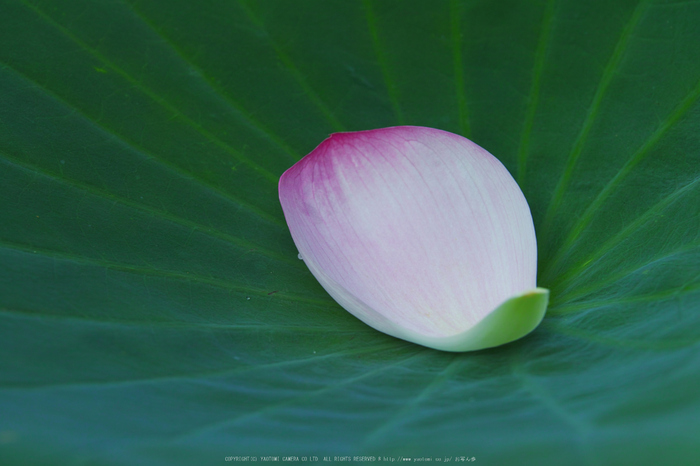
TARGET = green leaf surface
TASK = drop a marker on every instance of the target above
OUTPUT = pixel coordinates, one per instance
(152, 307)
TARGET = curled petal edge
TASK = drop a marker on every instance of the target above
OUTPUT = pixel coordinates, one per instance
(510, 321)
(513, 319)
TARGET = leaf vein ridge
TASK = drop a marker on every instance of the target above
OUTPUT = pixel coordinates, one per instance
(289, 64)
(167, 274)
(631, 228)
(195, 226)
(606, 79)
(389, 82)
(236, 106)
(585, 219)
(195, 376)
(226, 147)
(456, 38)
(151, 156)
(217, 426)
(393, 421)
(533, 100)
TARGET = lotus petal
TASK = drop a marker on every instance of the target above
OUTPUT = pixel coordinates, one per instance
(420, 233)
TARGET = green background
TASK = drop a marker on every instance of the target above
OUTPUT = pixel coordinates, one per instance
(152, 307)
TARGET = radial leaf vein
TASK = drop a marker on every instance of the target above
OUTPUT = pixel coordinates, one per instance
(456, 37)
(638, 344)
(585, 219)
(389, 82)
(625, 233)
(674, 292)
(151, 156)
(543, 396)
(533, 100)
(181, 325)
(606, 79)
(176, 114)
(289, 64)
(307, 396)
(194, 226)
(225, 97)
(410, 407)
(597, 286)
(168, 274)
(197, 376)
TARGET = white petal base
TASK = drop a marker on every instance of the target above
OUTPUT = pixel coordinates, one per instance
(510, 321)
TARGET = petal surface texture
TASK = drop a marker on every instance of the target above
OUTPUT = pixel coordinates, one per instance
(420, 233)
